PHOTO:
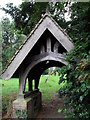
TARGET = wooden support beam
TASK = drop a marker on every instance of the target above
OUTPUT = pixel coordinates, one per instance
(30, 85)
(56, 45)
(22, 83)
(43, 56)
(20, 87)
(36, 60)
(42, 49)
(37, 82)
(48, 45)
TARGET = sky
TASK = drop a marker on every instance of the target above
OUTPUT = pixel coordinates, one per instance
(4, 2)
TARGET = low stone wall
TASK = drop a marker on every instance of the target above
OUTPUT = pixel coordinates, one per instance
(27, 107)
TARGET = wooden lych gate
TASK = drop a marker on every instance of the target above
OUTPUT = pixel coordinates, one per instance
(43, 48)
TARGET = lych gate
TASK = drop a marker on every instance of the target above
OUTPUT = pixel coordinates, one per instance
(43, 48)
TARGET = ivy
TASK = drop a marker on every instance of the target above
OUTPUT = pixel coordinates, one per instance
(77, 91)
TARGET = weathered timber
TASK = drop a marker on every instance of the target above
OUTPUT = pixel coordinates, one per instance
(46, 23)
(58, 34)
(56, 45)
(49, 45)
(42, 49)
(37, 82)
(43, 57)
(30, 85)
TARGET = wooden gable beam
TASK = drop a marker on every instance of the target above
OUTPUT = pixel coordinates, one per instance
(46, 23)
(59, 34)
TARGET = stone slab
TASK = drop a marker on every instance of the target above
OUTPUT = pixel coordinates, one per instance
(27, 107)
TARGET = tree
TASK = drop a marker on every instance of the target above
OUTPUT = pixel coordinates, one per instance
(0, 49)
(26, 16)
(11, 40)
(29, 13)
(77, 90)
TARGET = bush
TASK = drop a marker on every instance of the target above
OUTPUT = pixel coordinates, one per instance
(77, 89)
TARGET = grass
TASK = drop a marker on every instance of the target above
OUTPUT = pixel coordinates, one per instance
(10, 87)
(48, 89)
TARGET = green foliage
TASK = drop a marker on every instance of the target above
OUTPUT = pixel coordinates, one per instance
(0, 49)
(6, 36)
(57, 11)
(59, 110)
(27, 15)
(21, 113)
(11, 39)
(77, 89)
(46, 88)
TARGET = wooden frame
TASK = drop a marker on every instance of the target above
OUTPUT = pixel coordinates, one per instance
(45, 23)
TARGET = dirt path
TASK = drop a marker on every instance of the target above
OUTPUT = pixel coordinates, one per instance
(50, 109)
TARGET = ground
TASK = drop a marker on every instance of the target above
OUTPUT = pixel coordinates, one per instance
(52, 109)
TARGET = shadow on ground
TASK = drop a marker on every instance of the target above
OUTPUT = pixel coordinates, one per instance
(50, 109)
